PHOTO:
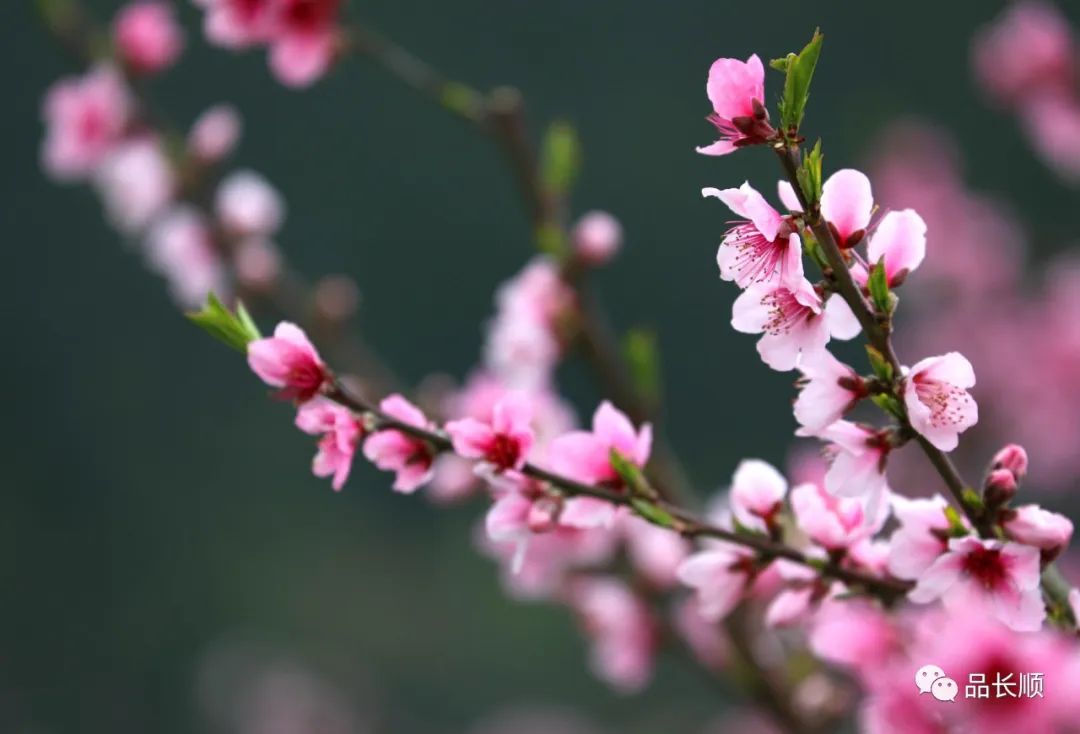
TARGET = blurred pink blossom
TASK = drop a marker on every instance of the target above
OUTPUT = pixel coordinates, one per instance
(147, 36)
(85, 117)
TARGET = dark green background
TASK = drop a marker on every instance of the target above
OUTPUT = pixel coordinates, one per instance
(155, 505)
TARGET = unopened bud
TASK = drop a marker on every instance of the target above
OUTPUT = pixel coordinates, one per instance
(1000, 487)
(1012, 458)
(597, 237)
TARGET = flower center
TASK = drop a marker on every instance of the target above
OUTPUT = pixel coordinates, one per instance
(947, 403)
(985, 566)
(785, 312)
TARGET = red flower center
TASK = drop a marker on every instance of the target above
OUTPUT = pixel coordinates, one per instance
(986, 567)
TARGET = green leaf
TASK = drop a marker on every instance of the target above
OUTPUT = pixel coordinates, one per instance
(782, 65)
(800, 71)
(631, 475)
(878, 284)
(810, 174)
(653, 513)
(972, 499)
(957, 529)
(888, 403)
(236, 330)
(881, 367)
(643, 361)
(560, 158)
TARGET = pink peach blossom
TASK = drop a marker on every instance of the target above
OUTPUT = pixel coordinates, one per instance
(854, 633)
(621, 629)
(1004, 574)
(793, 321)
(1012, 458)
(289, 361)
(899, 242)
(654, 551)
(586, 457)
(504, 442)
(802, 590)
(147, 36)
(238, 23)
(597, 237)
(85, 118)
(215, 133)
(922, 535)
(938, 403)
(136, 182)
(393, 450)
(835, 522)
(757, 494)
(858, 454)
(736, 90)
(248, 205)
(341, 432)
(1032, 525)
(847, 204)
(761, 247)
(829, 389)
(720, 575)
(304, 39)
(178, 246)
(702, 636)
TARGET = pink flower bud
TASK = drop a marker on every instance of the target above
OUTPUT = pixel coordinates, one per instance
(1000, 487)
(289, 361)
(147, 36)
(597, 237)
(1032, 525)
(1014, 459)
(215, 133)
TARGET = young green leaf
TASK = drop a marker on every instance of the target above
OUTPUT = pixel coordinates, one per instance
(643, 360)
(810, 174)
(878, 285)
(234, 329)
(560, 158)
(881, 367)
(653, 513)
(800, 72)
(631, 475)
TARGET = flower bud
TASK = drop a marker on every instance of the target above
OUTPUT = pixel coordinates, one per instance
(215, 133)
(597, 237)
(1000, 487)
(1012, 458)
(148, 37)
(1032, 525)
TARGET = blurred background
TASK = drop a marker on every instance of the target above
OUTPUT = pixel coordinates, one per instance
(167, 556)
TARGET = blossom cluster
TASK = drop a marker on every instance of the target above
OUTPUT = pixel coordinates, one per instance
(1028, 61)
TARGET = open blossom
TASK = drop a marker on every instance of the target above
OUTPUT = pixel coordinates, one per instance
(921, 537)
(215, 133)
(248, 205)
(737, 92)
(803, 590)
(829, 389)
(938, 403)
(238, 23)
(585, 456)
(1032, 525)
(858, 455)
(289, 361)
(304, 38)
(136, 182)
(341, 432)
(847, 203)
(147, 36)
(721, 575)
(85, 118)
(597, 237)
(899, 243)
(1005, 574)
(835, 522)
(502, 444)
(792, 319)
(179, 248)
(761, 247)
(621, 628)
(393, 450)
(757, 494)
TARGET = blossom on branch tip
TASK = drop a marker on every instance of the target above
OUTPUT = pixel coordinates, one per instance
(147, 36)
(504, 442)
(736, 90)
(938, 404)
(585, 456)
(1004, 574)
(393, 450)
(341, 432)
(288, 360)
(828, 389)
(1012, 458)
(85, 117)
(760, 248)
